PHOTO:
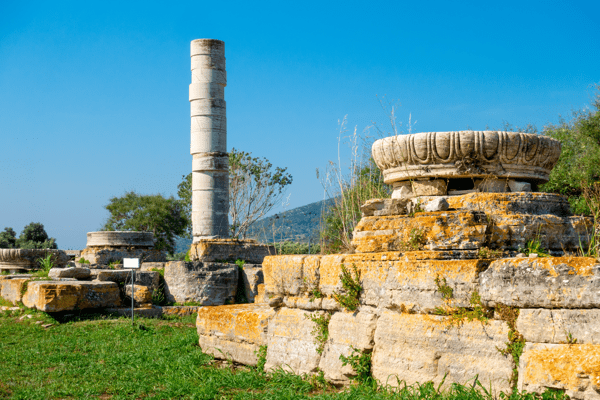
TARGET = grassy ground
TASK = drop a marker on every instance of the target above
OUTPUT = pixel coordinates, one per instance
(96, 356)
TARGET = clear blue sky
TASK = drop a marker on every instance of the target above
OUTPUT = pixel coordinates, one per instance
(94, 95)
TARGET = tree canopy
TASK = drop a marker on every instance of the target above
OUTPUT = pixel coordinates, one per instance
(34, 236)
(165, 217)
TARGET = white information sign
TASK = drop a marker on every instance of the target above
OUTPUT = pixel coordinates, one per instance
(131, 263)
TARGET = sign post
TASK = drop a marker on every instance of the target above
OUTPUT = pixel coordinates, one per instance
(133, 264)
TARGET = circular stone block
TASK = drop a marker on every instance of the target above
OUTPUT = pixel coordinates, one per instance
(120, 239)
(26, 259)
(466, 154)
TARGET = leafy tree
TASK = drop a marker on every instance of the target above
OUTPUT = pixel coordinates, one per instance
(34, 236)
(8, 238)
(579, 164)
(164, 217)
(255, 186)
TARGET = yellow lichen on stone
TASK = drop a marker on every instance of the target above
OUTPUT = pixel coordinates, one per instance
(12, 289)
(237, 322)
(575, 368)
(582, 266)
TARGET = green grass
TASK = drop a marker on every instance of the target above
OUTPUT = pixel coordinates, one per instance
(96, 356)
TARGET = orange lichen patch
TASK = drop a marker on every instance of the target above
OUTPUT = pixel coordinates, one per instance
(505, 202)
(570, 367)
(55, 296)
(283, 274)
(310, 271)
(51, 296)
(581, 266)
(435, 230)
(415, 272)
(330, 271)
(11, 289)
(238, 322)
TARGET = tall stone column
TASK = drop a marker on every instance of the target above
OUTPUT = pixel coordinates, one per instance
(210, 173)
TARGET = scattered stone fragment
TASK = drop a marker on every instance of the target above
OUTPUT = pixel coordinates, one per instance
(47, 325)
(516, 186)
(382, 207)
(436, 187)
(437, 204)
(73, 272)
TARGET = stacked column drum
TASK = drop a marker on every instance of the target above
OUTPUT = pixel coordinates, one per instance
(210, 179)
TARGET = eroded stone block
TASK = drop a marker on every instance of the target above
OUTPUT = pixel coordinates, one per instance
(207, 283)
(73, 272)
(415, 348)
(541, 325)
(553, 282)
(572, 368)
(346, 330)
(55, 296)
(234, 332)
(291, 342)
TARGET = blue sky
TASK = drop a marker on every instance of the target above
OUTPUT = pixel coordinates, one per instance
(94, 95)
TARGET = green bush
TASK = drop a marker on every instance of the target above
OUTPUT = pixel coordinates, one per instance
(579, 163)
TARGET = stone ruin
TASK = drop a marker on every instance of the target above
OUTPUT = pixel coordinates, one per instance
(446, 281)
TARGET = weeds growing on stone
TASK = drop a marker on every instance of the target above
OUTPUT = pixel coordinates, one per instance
(261, 358)
(360, 361)
(485, 253)
(320, 330)
(351, 289)
(516, 341)
(46, 264)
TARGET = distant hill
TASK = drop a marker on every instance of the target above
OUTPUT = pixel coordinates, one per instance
(296, 225)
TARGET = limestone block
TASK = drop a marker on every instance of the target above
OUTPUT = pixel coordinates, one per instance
(124, 276)
(516, 186)
(120, 239)
(252, 276)
(210, 284)
(411, 285)
(574, 369)
(283, 274)
(74, 272)
(234, 332)
(152, 266)
(402, 190)
(414, 348)
(449, 230)
(97, 255)
(141, 294)
(260, 293)
(346, 330)
(436, 187)
(437, 204)
(290, 342)
(291, 275)
(180, 310)
(535, 203)
(230, 250)
(17, 259)
(466, 154)
(510, 231)
(554, 282)
(379, 207)
(12, 289)
(55, 296)
(541, 325)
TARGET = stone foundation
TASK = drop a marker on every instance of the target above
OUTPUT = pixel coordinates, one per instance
(222, 250)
